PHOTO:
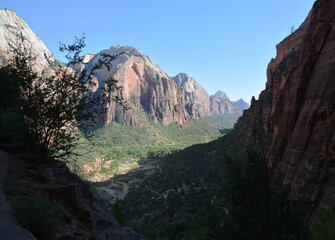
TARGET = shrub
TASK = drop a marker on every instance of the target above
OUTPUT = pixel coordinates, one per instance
(119, 214)
(38, 214)
(323, 227)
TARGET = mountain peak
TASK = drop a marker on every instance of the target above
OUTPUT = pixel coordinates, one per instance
(182, 78)
(126, 50)
(220, 95)
(241, 104)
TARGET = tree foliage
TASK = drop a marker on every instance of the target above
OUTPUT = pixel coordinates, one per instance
(323, 226)
(57, 101)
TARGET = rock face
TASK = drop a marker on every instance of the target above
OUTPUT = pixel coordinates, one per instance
(146, 88)
(10, 26)
(197, 95)
(296, 110)
(242, 105)
(151, 93)
(203, 104)
(221, 104)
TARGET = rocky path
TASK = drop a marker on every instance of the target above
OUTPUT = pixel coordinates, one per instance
(114, 190)
(9, 227)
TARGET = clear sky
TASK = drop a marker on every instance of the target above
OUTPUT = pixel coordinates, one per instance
(223, 44)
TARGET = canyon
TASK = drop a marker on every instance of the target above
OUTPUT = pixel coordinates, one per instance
(292, 121)
(296, 111)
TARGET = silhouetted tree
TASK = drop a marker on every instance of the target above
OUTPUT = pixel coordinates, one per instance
(58, 101)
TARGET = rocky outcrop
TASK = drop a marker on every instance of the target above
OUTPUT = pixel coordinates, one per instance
(12, 26)
(148, 90)
(199, 99)
(220, 104)
(296, 110)
(152, 94)
(201, 104)
(241, 104)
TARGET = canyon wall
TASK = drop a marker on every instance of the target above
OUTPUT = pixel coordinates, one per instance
(151, 93)
(296, 111)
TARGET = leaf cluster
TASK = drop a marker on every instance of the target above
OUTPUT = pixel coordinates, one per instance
(58, 100)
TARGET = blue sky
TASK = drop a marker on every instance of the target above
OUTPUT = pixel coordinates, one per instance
(224, 45)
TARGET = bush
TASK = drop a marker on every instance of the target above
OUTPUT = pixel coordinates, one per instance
(119, 214)
(40, 215)
(323, 227)
(56, 102)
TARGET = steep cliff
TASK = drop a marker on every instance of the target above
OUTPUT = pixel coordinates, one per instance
(151, 93)
(145, 86)
(197, 95)
(220, 104)
(201, 103)
(296, 110)
(12, 26)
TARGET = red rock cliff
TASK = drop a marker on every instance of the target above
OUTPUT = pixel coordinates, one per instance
(151, 93)
(297, 110)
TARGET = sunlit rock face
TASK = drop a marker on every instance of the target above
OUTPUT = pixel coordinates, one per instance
(297, 110)
(149, 91)
(12, 26)
(197, 95)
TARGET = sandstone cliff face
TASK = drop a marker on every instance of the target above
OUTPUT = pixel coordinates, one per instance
(10, 26)
(297, 111)
(151, 93)
(203, 104)
(145, 87)
(221, 104)
(199, 99)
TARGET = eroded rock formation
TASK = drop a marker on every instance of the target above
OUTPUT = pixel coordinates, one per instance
(151, 93)
(12, 27)
(220, 104)
(297, 110)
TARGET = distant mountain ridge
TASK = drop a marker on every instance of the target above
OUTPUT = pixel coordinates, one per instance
(151, 93)
(241, 104)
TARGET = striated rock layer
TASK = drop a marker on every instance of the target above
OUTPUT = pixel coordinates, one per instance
(144, 86)
(197, 95)
(296, 110)
(151, 93)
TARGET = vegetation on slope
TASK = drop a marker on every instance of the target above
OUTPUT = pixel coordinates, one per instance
(210, 191)
(118, 148)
